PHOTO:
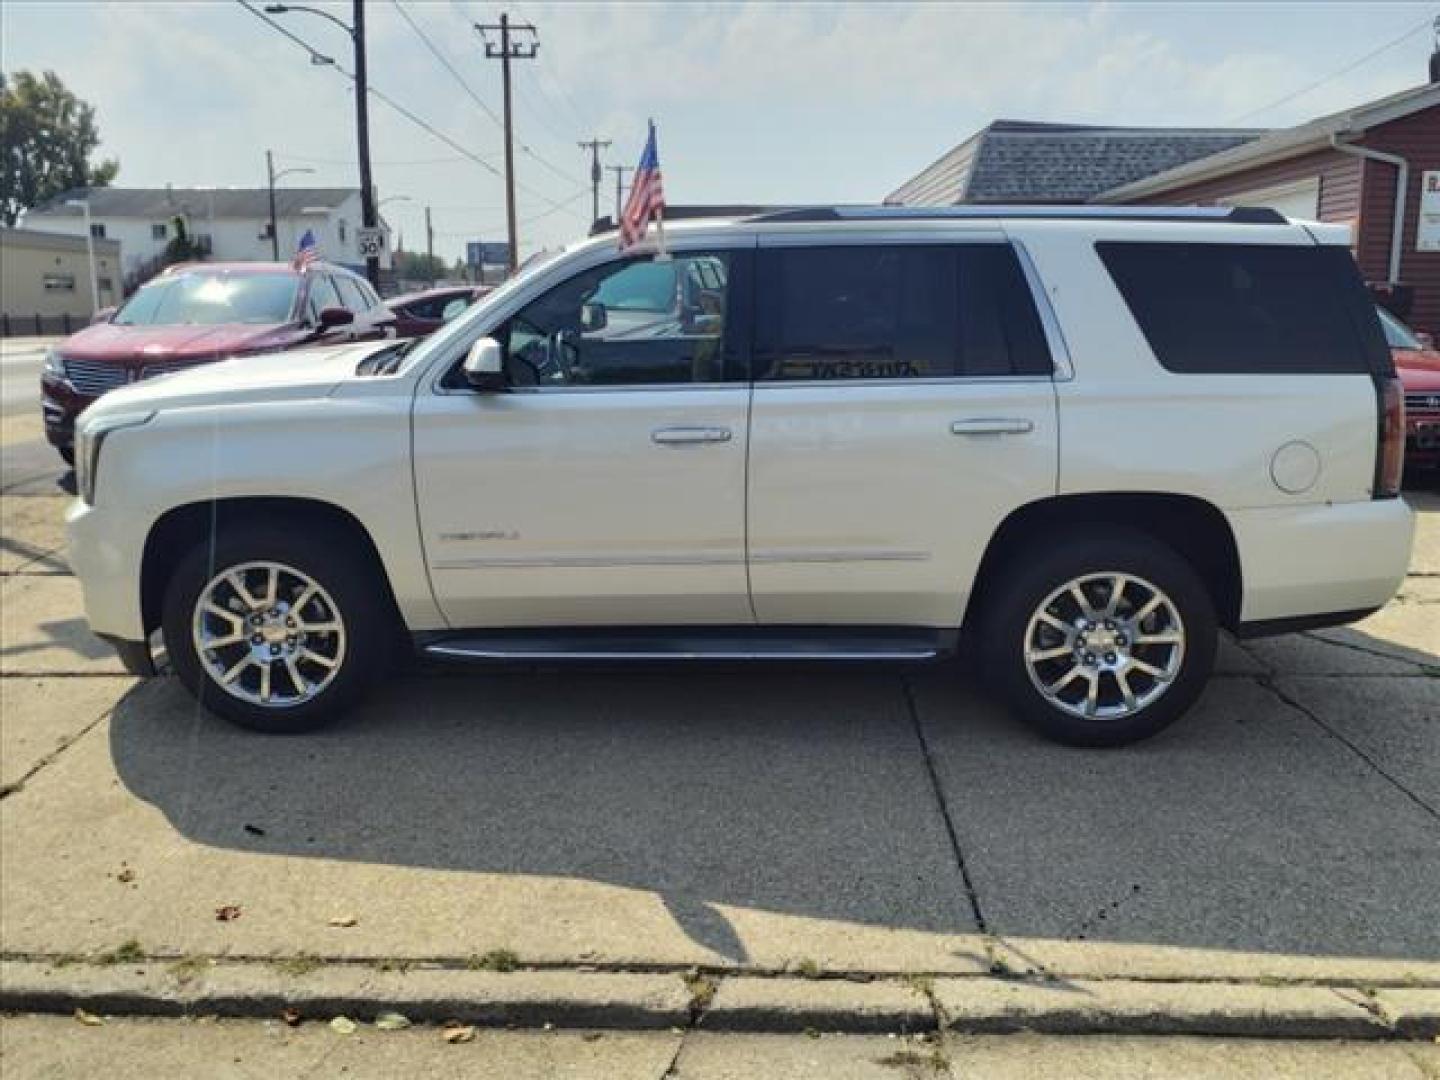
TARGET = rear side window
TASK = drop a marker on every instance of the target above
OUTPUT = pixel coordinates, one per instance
(1244, 309)
(896, 312)
(350, 294)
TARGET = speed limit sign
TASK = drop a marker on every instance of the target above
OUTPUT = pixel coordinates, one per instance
(371, 242)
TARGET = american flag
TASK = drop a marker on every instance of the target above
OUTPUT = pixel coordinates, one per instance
(307, 252)
(647, 196)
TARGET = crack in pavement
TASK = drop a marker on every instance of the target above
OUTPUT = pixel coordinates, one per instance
(1313, 636)
(944, 806)
(1267, 681)
(52, 756)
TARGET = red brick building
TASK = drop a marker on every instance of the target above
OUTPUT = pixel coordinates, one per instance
(1347, 168)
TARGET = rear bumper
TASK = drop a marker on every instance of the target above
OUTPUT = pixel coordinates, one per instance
(1331, 563)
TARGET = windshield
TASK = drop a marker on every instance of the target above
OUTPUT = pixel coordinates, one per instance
(1397, 334)
(208, 299)
(641, 286)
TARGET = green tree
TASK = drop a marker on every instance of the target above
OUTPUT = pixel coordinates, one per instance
(48, 136)
(417, 266)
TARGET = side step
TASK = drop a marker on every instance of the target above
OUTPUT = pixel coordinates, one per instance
(694, 643)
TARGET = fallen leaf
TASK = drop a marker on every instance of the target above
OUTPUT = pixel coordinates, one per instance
(125, 876)
(343, 1025)
(227, 913)
(455, 1032)
(89, 1019)
(290, 1016)
(344, 920)
(391, 1021)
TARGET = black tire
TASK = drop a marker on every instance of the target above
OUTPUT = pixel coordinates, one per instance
(1035, 573)
(67, 454)
(327, 557)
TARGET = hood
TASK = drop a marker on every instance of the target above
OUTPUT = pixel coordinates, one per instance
(1419, 369)
(301, 373)
(151, 344)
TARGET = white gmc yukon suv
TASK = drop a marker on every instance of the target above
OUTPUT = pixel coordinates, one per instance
(1080, 441)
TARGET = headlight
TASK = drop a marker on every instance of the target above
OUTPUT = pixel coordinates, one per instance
(55, 364)
(88, 440)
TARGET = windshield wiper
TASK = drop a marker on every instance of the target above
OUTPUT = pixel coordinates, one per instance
(386, 361)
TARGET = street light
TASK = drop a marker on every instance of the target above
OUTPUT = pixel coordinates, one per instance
(273, 175)
(84, 204)
(356, 30)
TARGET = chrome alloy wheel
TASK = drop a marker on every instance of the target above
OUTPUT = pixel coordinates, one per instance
(1104, 646)
(268, 634)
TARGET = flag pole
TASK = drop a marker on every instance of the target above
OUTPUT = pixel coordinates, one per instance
(661, 255)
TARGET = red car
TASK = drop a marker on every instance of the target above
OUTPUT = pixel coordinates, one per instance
(198, 313)
(421, 313)
(1417, 362)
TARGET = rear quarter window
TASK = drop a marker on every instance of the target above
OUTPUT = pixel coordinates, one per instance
(1248, 309)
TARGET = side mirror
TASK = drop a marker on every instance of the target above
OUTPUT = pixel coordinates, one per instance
(335, 316)
(484, 367)
(1426, 340)
(593, 317)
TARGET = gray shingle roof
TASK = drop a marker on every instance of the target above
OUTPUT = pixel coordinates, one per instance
(159, 204)
(1018, 161)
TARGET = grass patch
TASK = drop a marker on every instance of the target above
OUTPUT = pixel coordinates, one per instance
(808, 969)
(299, 964)
(190, 967)
(494, 960)
(702, 989)
(934, 1060)
(127, 952)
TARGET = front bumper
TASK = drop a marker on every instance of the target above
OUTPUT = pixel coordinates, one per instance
(1422, 440)
(61, 403)
(105, 550)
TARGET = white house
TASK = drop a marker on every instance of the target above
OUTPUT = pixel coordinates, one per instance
(231, 224)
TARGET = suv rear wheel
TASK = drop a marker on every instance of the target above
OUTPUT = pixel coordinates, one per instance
(274, 631)
(1102, 642)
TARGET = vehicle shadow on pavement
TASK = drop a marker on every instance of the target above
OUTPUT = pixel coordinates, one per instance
(812, 792)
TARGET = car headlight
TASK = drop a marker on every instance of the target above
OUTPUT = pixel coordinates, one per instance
(55, 364)
(88, 440)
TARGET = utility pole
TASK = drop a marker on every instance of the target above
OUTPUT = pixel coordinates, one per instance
(506, 51)
(429, 248)
(362, 132)
(619, 171)
(594, 146)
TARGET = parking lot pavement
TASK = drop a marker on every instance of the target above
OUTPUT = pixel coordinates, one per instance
(856, 820)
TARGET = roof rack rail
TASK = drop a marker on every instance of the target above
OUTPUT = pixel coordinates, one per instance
(1246, 215)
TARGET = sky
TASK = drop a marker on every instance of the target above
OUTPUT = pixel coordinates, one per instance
(755, 103)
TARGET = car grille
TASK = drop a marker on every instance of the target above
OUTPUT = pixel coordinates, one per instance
(93, 377)
(1428, 402)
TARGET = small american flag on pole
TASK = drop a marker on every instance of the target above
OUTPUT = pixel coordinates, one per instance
(647, 198)
(307, 251)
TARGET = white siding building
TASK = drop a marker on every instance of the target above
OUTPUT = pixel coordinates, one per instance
(232, 223)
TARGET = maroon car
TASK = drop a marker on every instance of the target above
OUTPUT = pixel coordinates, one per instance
(197, 313)
(1417, 362)
(421, 313)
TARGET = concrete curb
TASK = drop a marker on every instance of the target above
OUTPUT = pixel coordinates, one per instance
(739, 1002)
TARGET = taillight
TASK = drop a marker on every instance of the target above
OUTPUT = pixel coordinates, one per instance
(1390, 454)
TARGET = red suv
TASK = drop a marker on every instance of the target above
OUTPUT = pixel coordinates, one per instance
(1418, 364)
(198, 313)
(421, 313)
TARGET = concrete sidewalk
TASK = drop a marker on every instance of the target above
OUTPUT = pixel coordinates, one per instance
(731, 832)
(179, 1050)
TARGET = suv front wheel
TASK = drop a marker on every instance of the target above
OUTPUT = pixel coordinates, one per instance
(1103, 640)
(276, 631)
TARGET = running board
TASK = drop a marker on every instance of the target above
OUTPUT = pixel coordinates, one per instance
(694, 643)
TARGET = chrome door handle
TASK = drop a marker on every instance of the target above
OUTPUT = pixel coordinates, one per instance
(991, 426)
(683, 436)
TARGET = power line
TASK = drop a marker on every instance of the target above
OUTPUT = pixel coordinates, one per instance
(470, 91)
(347, 161)
(1335, 74)
(402, 110)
